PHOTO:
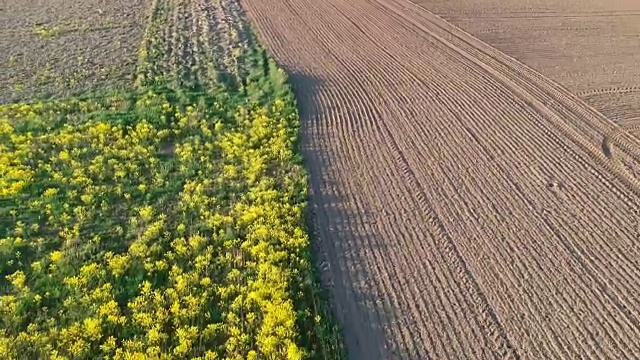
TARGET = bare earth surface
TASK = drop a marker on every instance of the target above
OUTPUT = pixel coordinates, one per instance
(590, 47)
(64, 47)
(466, 206)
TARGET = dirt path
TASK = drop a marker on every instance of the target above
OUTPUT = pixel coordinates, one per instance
(465, 205)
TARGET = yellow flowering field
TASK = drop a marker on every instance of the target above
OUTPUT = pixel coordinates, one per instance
(166, 222)
(158, 224)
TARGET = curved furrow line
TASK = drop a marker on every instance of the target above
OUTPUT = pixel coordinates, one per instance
(411, 261)
(481, 222)
(545, 256)
(278, 43)
(346, 181)
(633, 319)
(432, 270)
(338, 252)
(526, 295)
(407, 172)
(505, 137)
(564, 294)
(579, 195)
(624, 249)
(621, 197)
(541, 87)
(406, 122)
(633, 126)
(453, 146)
(443, 78)
(410, 338)
(489, 222)
(325, 236)
(456, 261)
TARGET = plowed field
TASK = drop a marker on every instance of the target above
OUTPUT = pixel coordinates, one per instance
(590, 47)
(465, 205)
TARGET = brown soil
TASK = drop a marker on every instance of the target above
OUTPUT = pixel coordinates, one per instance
(62, 47)
(590, 47)
(466, 206)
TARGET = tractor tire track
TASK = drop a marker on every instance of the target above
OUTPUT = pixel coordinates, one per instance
(458, 195)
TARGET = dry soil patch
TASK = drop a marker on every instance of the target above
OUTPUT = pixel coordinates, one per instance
(63, 47)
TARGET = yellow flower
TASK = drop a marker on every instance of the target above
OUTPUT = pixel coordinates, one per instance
(210, 355)
(36, 266)
(50, 192)
(64, 155)
(110, 310)
(56, 256)
(79, 348)
(86, 198)
(17, 279)
(119, 264)
(92, 328)
(90, 270)
(109, 345)
(154, 335)
(146, 213)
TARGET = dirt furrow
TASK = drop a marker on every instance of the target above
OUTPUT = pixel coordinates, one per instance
(449, 250)
(458, 196)
(349, 133)
(545, 87)
(462, 189)
(580, 123)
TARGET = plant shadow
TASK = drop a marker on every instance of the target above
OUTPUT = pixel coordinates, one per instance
(342, 240)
